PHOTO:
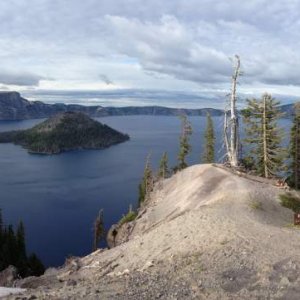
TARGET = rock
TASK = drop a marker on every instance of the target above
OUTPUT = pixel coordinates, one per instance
(118, 235)
(8, 276)
(51, 271)
(284, 282)
(71, 282)
(147, 265)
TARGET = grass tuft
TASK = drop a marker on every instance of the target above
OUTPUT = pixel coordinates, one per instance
(290, 201)
(256, 205)
(131, 215)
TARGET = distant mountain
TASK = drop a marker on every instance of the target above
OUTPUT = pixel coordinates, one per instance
(288, 110)
(14, 107)
(64, 132)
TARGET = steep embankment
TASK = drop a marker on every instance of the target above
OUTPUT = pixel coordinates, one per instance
(205, 234)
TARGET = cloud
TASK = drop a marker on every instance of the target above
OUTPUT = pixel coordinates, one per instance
(169, 47)
(172, 45)
(200, 53)
(19, 78)
(105, 79)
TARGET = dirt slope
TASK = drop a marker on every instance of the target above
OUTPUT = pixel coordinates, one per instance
(205, 234)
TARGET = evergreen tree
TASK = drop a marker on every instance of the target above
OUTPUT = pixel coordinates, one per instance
(1, 222)
(20, 236)
(21, 263)
(263, 135)
(1, 228)
(185, 147)
(147, 183)
(35, 266)
(13, 251)
(209, 136)
(163, 166)
(99, 232)
(294, 151)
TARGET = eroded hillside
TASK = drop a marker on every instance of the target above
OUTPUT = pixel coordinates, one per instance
(205, 234)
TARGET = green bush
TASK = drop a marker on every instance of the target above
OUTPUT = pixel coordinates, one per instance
(131, 215)
(290, 201)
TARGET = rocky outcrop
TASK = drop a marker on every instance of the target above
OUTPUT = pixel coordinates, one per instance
(8, 276)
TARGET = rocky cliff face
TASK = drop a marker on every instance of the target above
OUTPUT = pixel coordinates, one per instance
(14, 107)
(205, 233)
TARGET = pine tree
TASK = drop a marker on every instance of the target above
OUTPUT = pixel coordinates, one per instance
(1, 222)
(20, 236)
(36, 268)
(209, 136)
(185, 147)
(1, 229)
(21, 263)
(147, 183)
(13, 251)
(99, 232)
(163, 166)
(294, 151)
(263, 135)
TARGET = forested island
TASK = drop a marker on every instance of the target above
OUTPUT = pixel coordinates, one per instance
(64, 132)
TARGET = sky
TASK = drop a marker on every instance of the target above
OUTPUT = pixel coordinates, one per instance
(174, 53)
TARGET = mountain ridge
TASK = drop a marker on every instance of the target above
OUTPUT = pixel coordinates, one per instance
(15, 107)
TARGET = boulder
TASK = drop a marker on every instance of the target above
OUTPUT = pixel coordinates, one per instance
(8, 276)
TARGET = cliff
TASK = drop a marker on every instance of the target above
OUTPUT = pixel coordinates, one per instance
(14, 107)
(206, 233)
(64, 132)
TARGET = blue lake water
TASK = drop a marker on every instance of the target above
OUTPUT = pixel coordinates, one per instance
(58, 196)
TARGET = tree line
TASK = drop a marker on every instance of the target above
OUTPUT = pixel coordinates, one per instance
(13, 251)
(263, 152)
(164, 171)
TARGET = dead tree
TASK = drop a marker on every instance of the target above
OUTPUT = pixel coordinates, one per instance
(232, 142)
(99, 232)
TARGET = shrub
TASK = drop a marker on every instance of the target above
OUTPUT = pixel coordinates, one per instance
(131, 215)
(290, 201)
(256, 205)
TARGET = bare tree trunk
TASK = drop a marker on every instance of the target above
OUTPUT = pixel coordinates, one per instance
(226, 134)
(233, 148)
(265, 138)
(296, 162)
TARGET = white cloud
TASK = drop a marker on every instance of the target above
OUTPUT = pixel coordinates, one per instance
(172, 45)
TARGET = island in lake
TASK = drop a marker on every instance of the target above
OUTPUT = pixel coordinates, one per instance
(64, 132)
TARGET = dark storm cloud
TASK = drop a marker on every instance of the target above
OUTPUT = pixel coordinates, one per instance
(19, 78)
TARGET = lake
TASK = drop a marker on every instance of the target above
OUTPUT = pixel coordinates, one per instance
(59, 196)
